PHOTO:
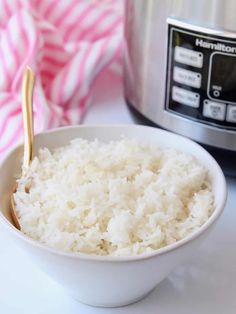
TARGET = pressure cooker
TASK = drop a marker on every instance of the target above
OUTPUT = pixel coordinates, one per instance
(180, 68)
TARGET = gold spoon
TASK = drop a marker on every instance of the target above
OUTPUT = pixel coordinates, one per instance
(27, 112)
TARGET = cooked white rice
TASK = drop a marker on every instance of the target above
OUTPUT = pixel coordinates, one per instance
(117, 198)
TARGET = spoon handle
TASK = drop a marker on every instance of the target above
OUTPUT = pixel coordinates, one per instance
(27, 112)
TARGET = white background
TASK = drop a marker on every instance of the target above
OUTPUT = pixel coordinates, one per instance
(206, 284)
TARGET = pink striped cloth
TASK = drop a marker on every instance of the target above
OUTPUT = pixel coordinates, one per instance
(68, 44)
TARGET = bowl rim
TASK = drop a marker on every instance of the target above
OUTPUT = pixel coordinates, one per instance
(109, 258)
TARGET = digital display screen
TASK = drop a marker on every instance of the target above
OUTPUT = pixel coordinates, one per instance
(222, 77)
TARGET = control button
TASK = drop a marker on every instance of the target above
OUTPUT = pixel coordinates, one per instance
(216, 93)
(185, 97)
(214, 110)
(189, 57)
(231, 113)
(187, 77)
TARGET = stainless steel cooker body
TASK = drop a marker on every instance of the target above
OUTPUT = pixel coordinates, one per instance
(180, 66)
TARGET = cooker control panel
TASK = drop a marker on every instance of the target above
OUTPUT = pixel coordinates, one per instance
(201, 75)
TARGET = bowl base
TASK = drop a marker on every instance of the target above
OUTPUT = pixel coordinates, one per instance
(111, 304)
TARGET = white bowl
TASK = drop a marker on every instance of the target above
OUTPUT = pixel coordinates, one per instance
(100, 280)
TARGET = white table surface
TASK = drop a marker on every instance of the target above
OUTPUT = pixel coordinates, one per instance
(206, 284)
